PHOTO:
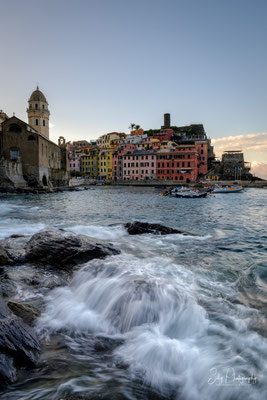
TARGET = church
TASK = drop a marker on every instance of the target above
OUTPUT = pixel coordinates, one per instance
(27, 157)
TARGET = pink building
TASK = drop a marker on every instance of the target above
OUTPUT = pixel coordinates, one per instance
(117, 159)
(75, 162)
(139, 165)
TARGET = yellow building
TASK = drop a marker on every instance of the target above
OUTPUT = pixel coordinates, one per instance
(89, 162)
(105, 164)
(104, 141)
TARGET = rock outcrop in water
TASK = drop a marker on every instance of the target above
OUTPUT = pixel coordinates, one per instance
(15, 250)
(3, 256)
(139, 228)
(19, 346)
(55, 248)
(27, 312)
(62, 249)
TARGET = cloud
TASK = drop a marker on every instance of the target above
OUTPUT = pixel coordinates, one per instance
(256, 142)
(259, 169)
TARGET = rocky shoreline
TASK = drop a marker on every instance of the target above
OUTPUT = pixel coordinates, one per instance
(53, 255)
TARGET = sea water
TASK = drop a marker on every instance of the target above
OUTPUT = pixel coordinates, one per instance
(171, 317)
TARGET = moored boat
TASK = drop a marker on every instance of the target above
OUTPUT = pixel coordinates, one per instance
(191, 195)
(228, 189)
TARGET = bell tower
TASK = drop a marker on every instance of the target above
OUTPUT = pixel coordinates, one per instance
(38, 113)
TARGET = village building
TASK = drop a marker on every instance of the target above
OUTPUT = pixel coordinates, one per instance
(117, 160)
(89, 162)
(140, 165)
(177, 165)
(27, 156)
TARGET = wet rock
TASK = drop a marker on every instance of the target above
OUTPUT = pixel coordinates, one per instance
(16, 236)
(62, 249)
(15, 249)
(139, 228)
(19, 346)
(26, 312)
(3, 256)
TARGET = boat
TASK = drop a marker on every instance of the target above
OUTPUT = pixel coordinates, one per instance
(190, 195)
(228, 189)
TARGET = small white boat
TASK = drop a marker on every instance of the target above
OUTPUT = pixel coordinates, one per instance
(228, 189)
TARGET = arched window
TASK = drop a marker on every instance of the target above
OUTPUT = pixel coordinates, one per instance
(181, 178)
(14, 128)
(36, 106)
(43, 122)
(43, 106)
(31, 137)
(36, 122)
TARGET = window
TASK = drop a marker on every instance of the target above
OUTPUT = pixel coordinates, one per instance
(42, 149)
(43, 122)
(137, 172)
(31, 137)
(36, 106)
(152, 164)
(14, 128)
(188, 164)
(43, 106)
(14, 153)
(36, 122)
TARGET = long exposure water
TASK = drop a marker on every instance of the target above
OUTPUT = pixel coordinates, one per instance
(171, 317)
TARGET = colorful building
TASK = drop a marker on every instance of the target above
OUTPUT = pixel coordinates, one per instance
(89, 163)
(104, 141)
(177, 165)
(105, 164)
(117, 160)
(140, 165)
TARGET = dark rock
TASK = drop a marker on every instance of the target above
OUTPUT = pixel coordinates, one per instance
(3, 256)
(16, 236)
(61, 249)
(15, 249)
(139, 228)
(26, 312)
(19, 346)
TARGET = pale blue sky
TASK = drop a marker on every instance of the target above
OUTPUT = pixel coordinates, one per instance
(105, 63)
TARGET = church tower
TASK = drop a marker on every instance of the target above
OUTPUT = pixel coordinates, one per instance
(38, 113)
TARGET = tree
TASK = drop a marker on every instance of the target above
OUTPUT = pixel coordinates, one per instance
(137, 127)
(132, 126)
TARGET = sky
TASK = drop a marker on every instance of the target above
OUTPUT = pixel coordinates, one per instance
(103, 64)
